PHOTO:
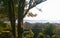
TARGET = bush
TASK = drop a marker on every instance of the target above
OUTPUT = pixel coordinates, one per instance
(27, 36)
(57, 32)
(4, 26)
(47, 36)
(6, 35)
(54, 36)
(41, 35)
(49, 29)
(30, 35)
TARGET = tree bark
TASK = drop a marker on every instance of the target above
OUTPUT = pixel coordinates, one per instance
(12, 17)
(20, 18)
(20, 29)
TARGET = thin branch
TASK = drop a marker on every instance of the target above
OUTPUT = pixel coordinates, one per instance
(27, 9)
(32, 5)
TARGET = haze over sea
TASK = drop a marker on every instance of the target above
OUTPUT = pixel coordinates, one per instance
(42, 21)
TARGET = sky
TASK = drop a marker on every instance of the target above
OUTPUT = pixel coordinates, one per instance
(50, 11)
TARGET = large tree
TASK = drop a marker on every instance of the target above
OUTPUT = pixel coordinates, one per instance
(22, 13)
(18, 8)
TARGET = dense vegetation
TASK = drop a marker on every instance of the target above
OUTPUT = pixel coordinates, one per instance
(47, 30)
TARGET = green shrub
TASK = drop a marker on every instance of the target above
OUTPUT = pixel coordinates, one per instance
(41, 35)
(47, 36)
(6, 35)
(49, 29)
(57, 32)
(27, 36)
(30, 34)
(54, 36)
(4, 26)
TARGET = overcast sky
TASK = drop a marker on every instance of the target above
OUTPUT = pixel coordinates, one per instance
(50, 11)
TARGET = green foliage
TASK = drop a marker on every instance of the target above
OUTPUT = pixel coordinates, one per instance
(47, 36)
(27, 36)
(54, 36)
(4, 7)
(41, 35)
(49, 29)
(31, 14)
(4, 26)
(30, 35)
(5, 30)
(57, 32)
(6, 35)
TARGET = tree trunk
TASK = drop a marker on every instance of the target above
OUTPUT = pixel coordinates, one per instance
(12, 17)
(20, 18)
(20, 28)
